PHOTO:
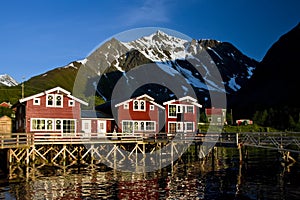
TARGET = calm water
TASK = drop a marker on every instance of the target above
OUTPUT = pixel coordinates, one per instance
(262, 177)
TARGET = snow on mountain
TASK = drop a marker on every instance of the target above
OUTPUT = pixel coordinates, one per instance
(7, 80)
(195, 60)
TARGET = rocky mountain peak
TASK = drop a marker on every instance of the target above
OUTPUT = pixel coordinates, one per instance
(7, 80)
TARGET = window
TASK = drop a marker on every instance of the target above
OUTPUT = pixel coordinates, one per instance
(71, 103)
(189, 126)
(59, 100)
(139, 105)
(126, 106)
(136, 105)
(150, 126)
(172, 110)
(172, 127)
(179, 127)
(50, 101)
(54, 100)
(151, 107)
(142, 105)
(136, 126)
(49, 125)
(58, 124)
(69, 126)
(38, 124)
(190, 109)
(127, 126)
(36, 101)
(142, 126)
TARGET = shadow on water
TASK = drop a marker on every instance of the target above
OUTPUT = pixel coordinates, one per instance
(262, 176)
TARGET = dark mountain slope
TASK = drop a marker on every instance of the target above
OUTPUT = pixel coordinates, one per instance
(276, 80)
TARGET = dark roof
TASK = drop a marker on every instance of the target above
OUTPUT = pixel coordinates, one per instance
(94, 114)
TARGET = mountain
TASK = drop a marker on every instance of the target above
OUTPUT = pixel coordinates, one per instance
(190, 63)
(276, 79)
(6, 80)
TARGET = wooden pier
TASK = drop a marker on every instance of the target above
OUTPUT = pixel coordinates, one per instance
(115, 148)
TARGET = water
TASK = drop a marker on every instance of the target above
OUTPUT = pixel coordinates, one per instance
(261, 177)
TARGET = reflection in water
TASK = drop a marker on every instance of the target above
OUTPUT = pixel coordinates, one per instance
(262, 177)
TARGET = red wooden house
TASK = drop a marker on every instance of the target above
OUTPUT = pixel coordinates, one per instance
(216, 116)
(138, 115)
(96, 123)
(52, 111)
(181, 115)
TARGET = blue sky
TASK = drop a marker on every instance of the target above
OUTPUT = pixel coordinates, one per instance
(40, 35)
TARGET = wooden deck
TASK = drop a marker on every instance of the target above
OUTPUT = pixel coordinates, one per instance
(23, 140)
(114, 148)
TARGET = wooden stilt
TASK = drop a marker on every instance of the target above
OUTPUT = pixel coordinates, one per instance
(240, 152)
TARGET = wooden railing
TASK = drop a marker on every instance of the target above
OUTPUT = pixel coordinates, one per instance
(15, 140)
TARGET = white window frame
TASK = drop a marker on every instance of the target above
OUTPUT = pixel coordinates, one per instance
(54, 122)
(126, 106)
(153, 127)
(135, 103)
(61, 100)
(136, 126)
(186, 125)
(71, 103)
(171, 116)
(140, 105)
(36, 101)
(128, 122)
(68, 133)
(53, 100)
(60, 124)
(180, 125)
(151, 107)
(190, 106)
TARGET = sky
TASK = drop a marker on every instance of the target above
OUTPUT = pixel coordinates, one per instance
(39, 35)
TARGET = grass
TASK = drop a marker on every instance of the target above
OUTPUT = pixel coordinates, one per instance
(241, 128)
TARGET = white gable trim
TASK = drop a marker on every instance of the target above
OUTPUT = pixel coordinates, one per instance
(124, 102)
(58, 89)
(169, 102)
(189, 99)
(156, 104)
(150, 99)
(145, 96)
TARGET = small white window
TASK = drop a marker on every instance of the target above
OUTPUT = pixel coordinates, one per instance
(142, 105)
(71, 103)
(126, 106)
(58, 124)
(151, 107)
(189, 126)
(190, 109)
(36, 101)
(59, 100)
(135, 105)
(50, 100)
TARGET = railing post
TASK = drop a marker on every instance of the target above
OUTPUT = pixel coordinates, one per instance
(18, 139)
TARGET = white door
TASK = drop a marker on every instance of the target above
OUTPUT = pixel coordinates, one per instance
(101, 128)
(86, 127)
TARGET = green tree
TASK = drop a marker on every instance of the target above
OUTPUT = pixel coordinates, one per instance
(292, 123)
(5, 111)
(203, 117)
